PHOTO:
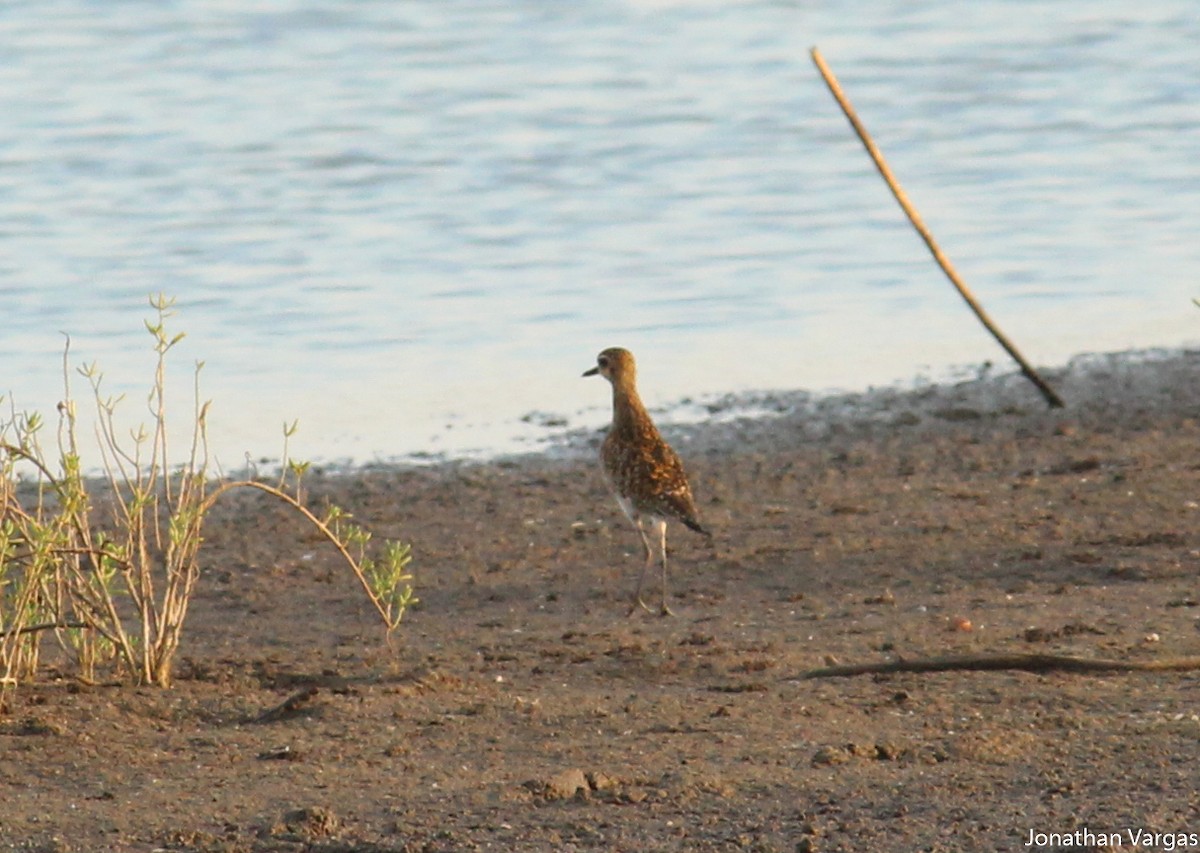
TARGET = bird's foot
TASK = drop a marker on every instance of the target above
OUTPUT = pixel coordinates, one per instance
(663, 610)
(638, 603)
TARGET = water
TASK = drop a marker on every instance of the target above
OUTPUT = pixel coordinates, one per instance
(412, 225)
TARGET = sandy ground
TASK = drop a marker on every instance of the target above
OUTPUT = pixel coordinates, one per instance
(519, 708)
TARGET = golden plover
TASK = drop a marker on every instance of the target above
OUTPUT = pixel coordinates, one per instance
(645, 474)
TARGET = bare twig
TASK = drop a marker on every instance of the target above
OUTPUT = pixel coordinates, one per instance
(288, 706)
(1019, 662)
(876, 155)
(320, 525)
(45, 626)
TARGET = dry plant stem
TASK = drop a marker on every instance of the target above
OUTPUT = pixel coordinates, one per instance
(1019, 662)
(288, 706)
(46, 626)
(316, 522)
(876, 155)
(97, 604)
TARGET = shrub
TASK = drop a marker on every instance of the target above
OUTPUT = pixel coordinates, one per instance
(113, 582)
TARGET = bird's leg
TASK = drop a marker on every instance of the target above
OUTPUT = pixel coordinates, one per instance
(637, 596)
(661, 524)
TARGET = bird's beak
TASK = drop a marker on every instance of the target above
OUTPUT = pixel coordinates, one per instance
(591, 372)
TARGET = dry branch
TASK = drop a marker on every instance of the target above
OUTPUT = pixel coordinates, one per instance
(288, 707)
(915, 218)
(45, 626)
(1018, 662)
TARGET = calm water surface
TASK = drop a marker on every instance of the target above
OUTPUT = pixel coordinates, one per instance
(412, 225)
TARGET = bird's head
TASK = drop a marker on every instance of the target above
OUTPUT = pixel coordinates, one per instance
(614, 364)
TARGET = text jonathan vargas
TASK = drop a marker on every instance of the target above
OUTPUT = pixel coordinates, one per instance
(1136, 838)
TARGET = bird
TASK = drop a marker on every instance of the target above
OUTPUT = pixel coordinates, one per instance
(644, 473)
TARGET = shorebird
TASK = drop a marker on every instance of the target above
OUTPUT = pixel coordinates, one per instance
(644, 473)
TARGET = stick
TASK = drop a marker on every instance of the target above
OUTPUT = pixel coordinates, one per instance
(1052, 398)
(46, 626)
(288, 706)
(1019, 662)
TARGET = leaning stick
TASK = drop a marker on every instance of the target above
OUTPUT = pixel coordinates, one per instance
(1019, 662)
(915, 218)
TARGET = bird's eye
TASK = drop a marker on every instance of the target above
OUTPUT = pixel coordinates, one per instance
(602, 361)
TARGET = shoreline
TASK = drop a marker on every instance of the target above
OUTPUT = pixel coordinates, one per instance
(1144, 378)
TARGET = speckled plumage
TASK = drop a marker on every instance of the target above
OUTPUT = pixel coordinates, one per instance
(645, 474)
